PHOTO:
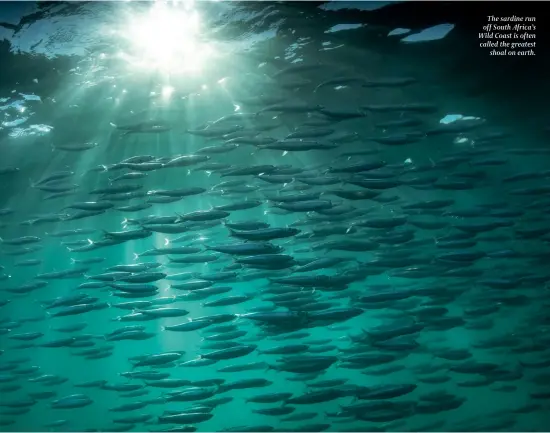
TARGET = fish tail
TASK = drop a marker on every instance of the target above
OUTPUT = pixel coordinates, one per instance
(136, 256)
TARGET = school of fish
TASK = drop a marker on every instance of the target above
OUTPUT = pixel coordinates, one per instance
(287, 265)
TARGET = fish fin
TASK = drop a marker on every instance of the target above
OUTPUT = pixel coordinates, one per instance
(271, 367)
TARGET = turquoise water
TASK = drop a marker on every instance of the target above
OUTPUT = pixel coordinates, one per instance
(357, 250)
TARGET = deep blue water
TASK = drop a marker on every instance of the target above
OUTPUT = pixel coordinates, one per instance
(382, 134)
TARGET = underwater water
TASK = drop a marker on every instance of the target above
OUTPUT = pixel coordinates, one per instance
(268, 217)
